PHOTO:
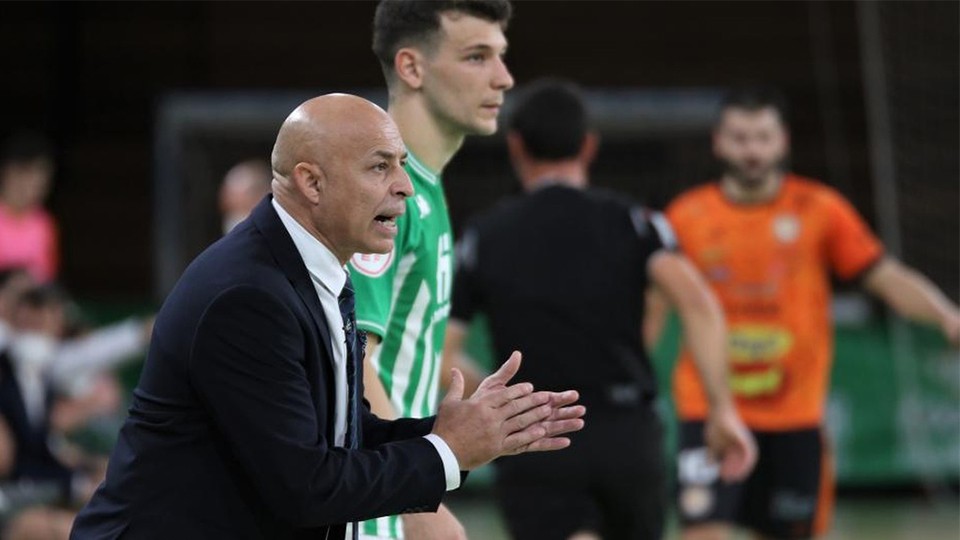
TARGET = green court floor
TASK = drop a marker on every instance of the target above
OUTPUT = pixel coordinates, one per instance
(855, 519)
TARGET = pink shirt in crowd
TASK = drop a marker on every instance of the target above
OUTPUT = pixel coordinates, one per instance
(29, 240)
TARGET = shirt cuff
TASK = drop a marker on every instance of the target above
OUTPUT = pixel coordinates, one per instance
(451, 467)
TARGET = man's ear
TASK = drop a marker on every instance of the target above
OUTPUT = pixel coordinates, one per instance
(408, 67)
(309, 180)
(516, 148)
(715, 142)
(588, 150)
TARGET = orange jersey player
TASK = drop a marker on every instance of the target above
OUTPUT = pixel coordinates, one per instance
(767, 242)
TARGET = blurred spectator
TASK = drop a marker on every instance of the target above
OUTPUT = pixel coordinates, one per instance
(244, 185)
(75, 369)
(51, 385)
(13, 282)
(35, 475)
(28, 233)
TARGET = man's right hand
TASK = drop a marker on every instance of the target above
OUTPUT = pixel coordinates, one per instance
(499, 420)
(730, 443)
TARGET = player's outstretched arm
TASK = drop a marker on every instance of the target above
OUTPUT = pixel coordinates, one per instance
(705, 334)
(914, 296)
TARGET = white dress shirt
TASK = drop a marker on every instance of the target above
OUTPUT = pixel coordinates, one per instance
(329, 277)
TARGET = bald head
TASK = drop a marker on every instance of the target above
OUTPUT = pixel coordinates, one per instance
(338, 170)
(323, 128)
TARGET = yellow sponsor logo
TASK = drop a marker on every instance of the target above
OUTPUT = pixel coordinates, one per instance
(756, 384)
(753, 344)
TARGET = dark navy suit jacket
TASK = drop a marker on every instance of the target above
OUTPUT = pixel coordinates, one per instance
(229, 432)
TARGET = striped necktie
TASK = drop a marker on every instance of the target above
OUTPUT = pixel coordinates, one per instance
(355, 349)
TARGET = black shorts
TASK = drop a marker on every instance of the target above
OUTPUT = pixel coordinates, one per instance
(611, 480)
(788, 495)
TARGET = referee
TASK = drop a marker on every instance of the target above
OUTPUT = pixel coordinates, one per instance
(561, 272)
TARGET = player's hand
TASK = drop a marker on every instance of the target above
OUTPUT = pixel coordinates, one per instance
(731, 444)
(442, 525)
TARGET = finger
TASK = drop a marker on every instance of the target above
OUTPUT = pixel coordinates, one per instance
(734, 466)
(522, 404)
(547, 444)
(514, 442)
(506, 372)
(567, 413)
(562, 399)
(455, 392)
(562, 427)
(738, 459)
(505, 396)
(529, 418)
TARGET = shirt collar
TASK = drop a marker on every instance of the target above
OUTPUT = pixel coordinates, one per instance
(321, 263)
(422, 169)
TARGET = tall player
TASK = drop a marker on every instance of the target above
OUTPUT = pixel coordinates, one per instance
(446, 77)
(767, 240)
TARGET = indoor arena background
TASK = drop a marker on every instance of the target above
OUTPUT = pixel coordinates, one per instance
(149, 104)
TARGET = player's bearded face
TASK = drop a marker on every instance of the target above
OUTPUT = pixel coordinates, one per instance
(753, 145)
(465, 76)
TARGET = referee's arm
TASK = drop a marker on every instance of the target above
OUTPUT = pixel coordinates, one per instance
(454, 356)
(705, 335)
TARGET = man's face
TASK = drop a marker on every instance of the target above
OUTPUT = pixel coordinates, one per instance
(27, 184)
(752, 144)
(465, 75)
(364, 190)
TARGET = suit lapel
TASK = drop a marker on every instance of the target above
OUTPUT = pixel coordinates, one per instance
(287, 256)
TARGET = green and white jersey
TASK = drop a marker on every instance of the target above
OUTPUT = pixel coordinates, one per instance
(404, 297)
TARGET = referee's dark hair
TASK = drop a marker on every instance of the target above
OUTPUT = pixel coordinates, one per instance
(402, 23)
(755, 98)
(551, 118)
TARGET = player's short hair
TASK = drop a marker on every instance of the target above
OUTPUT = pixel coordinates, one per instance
(755, 98)
(404, 23)
(25, 147)
(551, 118)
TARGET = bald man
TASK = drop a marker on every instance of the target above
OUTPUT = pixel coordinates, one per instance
(247, 423)
(243, 187)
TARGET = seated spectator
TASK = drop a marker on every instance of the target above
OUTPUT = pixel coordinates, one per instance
(28, 233)
(13, 282)
(244, 185)
(51, 384)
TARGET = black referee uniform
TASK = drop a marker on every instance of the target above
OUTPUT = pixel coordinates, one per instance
(561, 274)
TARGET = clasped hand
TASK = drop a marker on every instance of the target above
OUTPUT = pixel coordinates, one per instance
(501, 420)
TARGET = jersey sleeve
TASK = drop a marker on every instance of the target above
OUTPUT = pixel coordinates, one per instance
(851, 247)
(467, 297)
(373, 276)
(653, 229)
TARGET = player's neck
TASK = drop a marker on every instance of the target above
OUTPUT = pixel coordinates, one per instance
(424, 135)
(763, 192)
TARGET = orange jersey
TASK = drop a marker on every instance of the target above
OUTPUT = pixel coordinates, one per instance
(769, 265)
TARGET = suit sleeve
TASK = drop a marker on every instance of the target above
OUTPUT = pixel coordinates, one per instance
(246, 364)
